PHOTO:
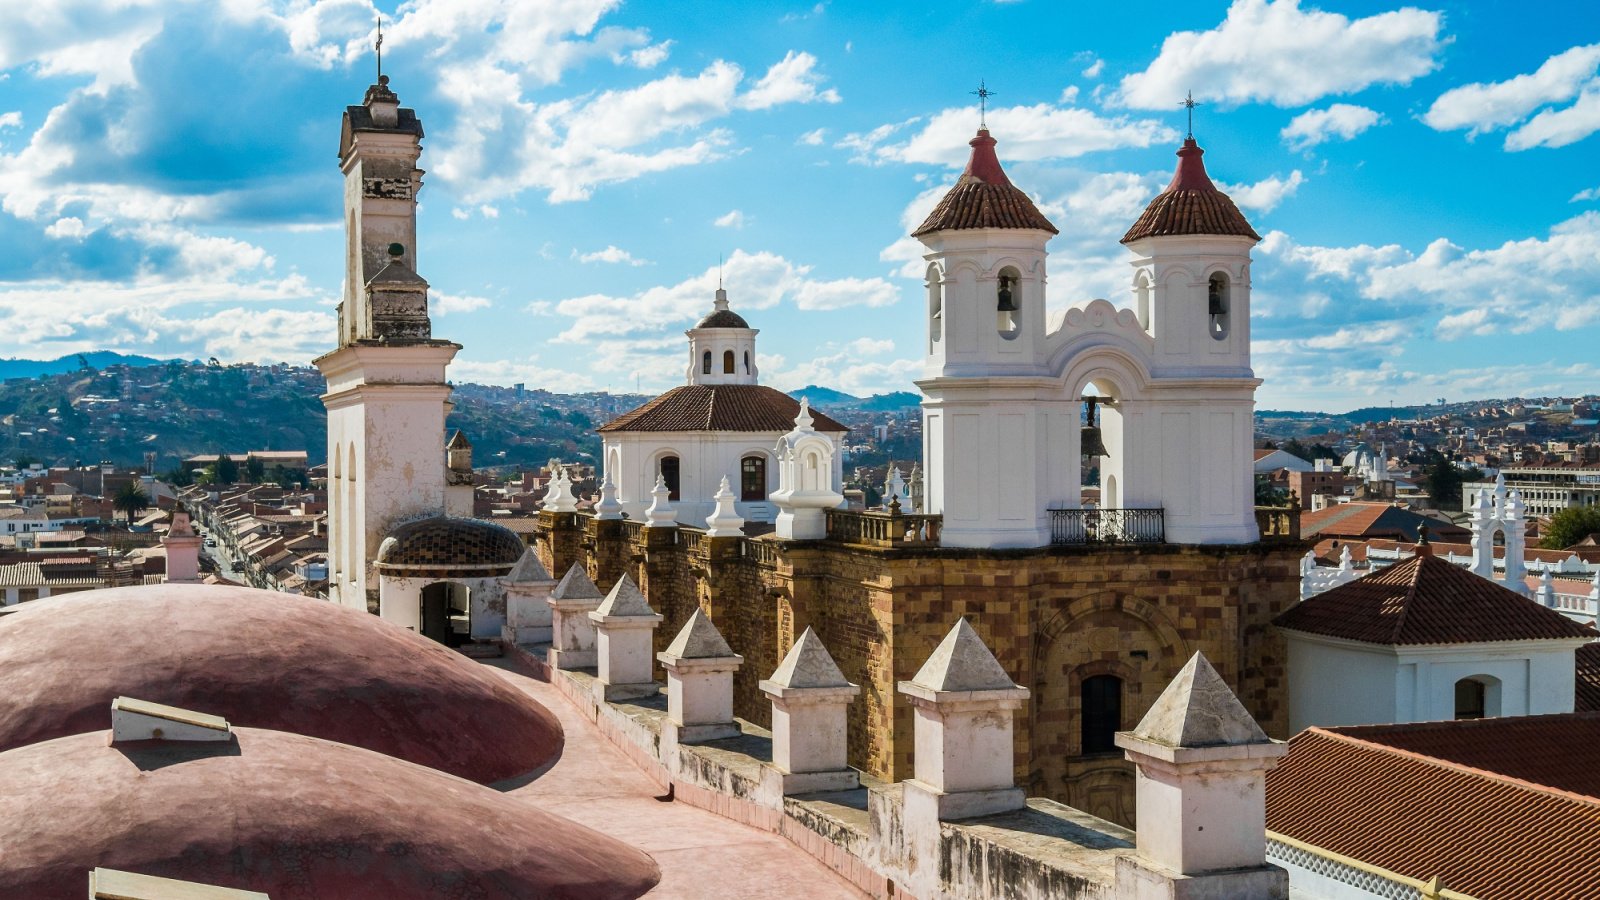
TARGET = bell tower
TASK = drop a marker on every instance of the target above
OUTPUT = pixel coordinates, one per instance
(1192, 440)
(722, 347)
(984, 419)
(387, 392)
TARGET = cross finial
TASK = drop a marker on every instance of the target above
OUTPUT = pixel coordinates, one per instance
(378, 45)
(1190, 103)
(983, 94)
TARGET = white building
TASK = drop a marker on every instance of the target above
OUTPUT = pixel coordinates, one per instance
(1001, 435)
(721, 424)
(1425, 640)
(391, 542)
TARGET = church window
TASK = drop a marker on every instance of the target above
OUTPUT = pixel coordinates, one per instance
(747, 362)
(1008, 303)
(727, 362)
(705, 363)
(1102, 713)
(1217, 305)
(935, 307)
(1470, 699)
(753, 478)
(669, 473)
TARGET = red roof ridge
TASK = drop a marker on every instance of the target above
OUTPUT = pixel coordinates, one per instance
(983, 197)
(1452, 765)
(1191, 204)
(984, 164)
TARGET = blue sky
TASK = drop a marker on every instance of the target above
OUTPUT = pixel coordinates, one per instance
(1424, 175)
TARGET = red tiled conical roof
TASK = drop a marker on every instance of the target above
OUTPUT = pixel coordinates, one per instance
(1191, 204)
(984, 197)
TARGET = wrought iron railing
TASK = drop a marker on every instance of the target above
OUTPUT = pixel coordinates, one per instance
(883, 529)
(1108, 526)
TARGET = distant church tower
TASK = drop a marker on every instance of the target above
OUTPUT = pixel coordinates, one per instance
(387, 394)
(1005, 395)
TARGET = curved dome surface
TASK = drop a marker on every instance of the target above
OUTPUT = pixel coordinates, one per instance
(265, 660)
(291, 816)
(723, 318)
(449, 546)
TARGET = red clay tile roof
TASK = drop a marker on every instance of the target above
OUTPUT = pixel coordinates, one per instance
(1491, 836)
(984, 197)
(1365, 519)
(718, 407)
(1557, 751)
(1191, 204)
(1586, 689)
(1425, 600)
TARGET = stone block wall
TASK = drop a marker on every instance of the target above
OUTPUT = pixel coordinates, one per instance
(1053, 617)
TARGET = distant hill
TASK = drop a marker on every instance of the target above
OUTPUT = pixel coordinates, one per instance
(98, 359)
(828, 398)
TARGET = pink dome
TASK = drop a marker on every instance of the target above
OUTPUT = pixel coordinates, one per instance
(264, 660)
(292, 816)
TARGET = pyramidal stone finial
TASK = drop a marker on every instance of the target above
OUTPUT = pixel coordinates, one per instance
(808, 665)
(576, 585)
(699, 639)
(1199, 710)
(625, 599)
(528, 569)
(962, 662)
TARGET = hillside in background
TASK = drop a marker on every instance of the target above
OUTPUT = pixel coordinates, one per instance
(98, 359)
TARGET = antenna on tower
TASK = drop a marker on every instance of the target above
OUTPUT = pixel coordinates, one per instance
(379, 47)
(719, 271)
(983, 94)
(1190, 103)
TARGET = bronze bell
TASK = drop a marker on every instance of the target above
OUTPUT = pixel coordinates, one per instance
(1007, 304)
(1090, 444)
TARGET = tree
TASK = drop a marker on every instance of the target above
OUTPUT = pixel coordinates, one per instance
(1444, 481)
(131, 500)
(224, 470)
(1570, 526)
(179, 477)
(254, 469)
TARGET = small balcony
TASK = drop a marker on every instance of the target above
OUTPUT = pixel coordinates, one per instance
(1108, 526)
(883, 529)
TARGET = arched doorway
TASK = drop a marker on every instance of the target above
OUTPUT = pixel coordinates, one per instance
(446, 614)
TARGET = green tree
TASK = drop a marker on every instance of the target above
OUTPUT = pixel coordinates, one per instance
(254, 469)
(179, 477)
(1570, 526)
(1444, 481)
(130, 500)
(224, 470)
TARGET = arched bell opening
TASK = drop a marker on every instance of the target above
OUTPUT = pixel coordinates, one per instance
(1008, 303)
(1217, 305)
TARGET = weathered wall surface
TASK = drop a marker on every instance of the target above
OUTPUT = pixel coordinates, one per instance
(1052, 616)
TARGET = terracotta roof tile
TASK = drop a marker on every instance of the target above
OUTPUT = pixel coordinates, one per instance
(1426, 600)
(1586, 690)
(1557, 751)
(1489, 835)
(1191, 204)
(984, 197)
(1372, 519)
(718, 407)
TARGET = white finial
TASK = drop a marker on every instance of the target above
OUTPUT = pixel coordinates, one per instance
(804, 420)
(609, 506)
(725, 520)
(660, 514)
(1346, 560)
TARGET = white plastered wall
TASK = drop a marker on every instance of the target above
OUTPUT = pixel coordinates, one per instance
(704, 458)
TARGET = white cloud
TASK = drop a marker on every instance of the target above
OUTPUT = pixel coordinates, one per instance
(68, 227)
(1265, 195)
(11, 119)
(651, 56)
(1272, 51)
(1041, 131)
(1560, 127)
(611, 254)
(1585, 194)
(733, 218)
(862, 367)
(1341, 120)
(452, 304)
(793, 79)
(1486, 106)
(1094, 69)
(813, 138)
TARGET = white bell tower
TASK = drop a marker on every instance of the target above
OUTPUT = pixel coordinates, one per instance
(984, 435)
(722, 347)
(387, 392)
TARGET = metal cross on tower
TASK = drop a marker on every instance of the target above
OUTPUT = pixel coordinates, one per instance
(1190, 103)
(379, 47)
(983, 94)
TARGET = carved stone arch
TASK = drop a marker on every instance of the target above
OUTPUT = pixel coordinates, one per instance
(1108, 632)
(1012, 262)
(953, 269)
(1075, 366)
